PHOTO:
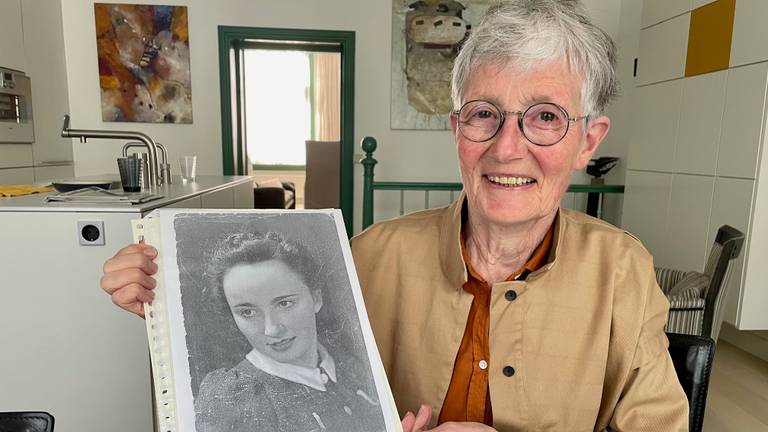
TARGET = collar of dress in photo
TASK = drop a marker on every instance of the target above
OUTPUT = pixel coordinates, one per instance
(312, 377)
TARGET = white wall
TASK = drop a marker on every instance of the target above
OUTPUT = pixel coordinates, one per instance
(621, 112)
(402, 155)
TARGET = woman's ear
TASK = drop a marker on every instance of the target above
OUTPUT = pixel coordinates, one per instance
(317, 298)
(597, 129)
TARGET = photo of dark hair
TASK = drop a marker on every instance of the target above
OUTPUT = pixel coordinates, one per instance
(251, 248)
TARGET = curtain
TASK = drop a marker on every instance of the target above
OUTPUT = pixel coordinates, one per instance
(327, 75)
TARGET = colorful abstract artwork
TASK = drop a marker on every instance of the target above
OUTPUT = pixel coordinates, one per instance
(426, 36)
(143, 55)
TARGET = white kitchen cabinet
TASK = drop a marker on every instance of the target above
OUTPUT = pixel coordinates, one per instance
(732, 204)
(699, 3)
(749, 33)
(243, 196)
(742, 121)
(53, 172)
(701, 112)
(15, 155)
(14, 176)
(218, 199)
(662, 50)
(11, 36)
(240, 196)
(657, 116)
(66, 348)
(690, 197)
(655, 11)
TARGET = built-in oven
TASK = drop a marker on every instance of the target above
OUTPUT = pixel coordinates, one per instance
(16, 124)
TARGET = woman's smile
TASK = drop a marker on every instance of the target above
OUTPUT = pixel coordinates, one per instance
(282, 345)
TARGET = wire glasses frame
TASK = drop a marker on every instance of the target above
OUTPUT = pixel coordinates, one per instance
(543, 124)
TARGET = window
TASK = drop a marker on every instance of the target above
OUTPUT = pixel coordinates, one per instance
(278, 106)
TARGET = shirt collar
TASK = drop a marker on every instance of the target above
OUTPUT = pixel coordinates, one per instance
(312, 377)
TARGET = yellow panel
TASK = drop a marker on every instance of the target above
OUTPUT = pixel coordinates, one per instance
(709, 37)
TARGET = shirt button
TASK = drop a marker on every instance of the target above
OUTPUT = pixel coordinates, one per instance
(510, 295)
(508, 371)
(347, 410)
(483, 364)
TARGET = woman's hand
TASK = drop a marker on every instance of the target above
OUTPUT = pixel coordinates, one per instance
(417, 423)
(128, 277)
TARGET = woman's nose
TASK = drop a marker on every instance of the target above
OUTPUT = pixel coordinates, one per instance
(273, 326)
(509, 143)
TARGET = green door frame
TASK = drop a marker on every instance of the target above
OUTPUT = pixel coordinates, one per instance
(231, 39)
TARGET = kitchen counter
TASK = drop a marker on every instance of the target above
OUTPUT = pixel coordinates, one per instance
(66, 348)
(176, 192)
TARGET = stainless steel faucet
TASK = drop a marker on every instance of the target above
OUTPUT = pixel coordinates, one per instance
(152, 147)
(165, 167)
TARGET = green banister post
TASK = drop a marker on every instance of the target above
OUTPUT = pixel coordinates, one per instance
(368, 145)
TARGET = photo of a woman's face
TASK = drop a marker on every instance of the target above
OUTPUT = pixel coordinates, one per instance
(274, 310)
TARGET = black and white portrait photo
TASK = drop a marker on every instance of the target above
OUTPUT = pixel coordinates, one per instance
(273, 334)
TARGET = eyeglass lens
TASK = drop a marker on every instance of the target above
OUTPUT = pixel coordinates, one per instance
(542, 123)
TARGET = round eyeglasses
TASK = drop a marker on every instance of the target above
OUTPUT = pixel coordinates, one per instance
(543, 124)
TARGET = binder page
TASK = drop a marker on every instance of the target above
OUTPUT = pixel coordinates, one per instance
(268, 330)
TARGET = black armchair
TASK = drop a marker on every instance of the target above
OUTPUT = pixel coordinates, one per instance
(692, 357)
(279, 196)
(26, 422)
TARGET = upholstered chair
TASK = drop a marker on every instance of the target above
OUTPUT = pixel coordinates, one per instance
(696, 299)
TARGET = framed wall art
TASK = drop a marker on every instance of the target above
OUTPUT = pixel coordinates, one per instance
(144, 72)
(426, 36)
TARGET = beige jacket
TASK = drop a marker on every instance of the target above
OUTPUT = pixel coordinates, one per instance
(583, 340)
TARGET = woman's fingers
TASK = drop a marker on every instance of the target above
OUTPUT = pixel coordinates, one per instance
(127, 277)
(408, 420)
(422, 418)
(132, 298)
(116, 280)
(132, 258)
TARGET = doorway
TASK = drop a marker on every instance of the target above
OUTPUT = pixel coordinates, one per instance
(268, 132)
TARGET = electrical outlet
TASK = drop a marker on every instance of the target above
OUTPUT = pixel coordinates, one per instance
(90, 233)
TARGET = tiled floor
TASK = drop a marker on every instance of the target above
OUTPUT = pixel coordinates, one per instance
(738, 392)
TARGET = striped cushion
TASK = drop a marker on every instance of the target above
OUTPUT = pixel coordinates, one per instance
(667, 277)
(686, 304)
(692, 285)
(686, 316)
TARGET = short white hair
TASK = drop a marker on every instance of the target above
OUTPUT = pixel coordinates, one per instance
(524, 33)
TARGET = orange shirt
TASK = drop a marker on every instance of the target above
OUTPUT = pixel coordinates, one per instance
(467, 398)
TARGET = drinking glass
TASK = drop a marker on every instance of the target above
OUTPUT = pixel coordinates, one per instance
(188, 168)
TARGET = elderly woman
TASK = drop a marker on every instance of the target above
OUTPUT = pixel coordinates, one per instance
(502, 309)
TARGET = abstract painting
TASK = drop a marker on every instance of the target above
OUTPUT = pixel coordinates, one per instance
(426, 36)
(143, 53)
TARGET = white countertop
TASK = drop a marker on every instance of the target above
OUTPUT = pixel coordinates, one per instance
(176, 191)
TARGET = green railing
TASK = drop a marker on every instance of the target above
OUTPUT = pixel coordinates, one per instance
(368, 144)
